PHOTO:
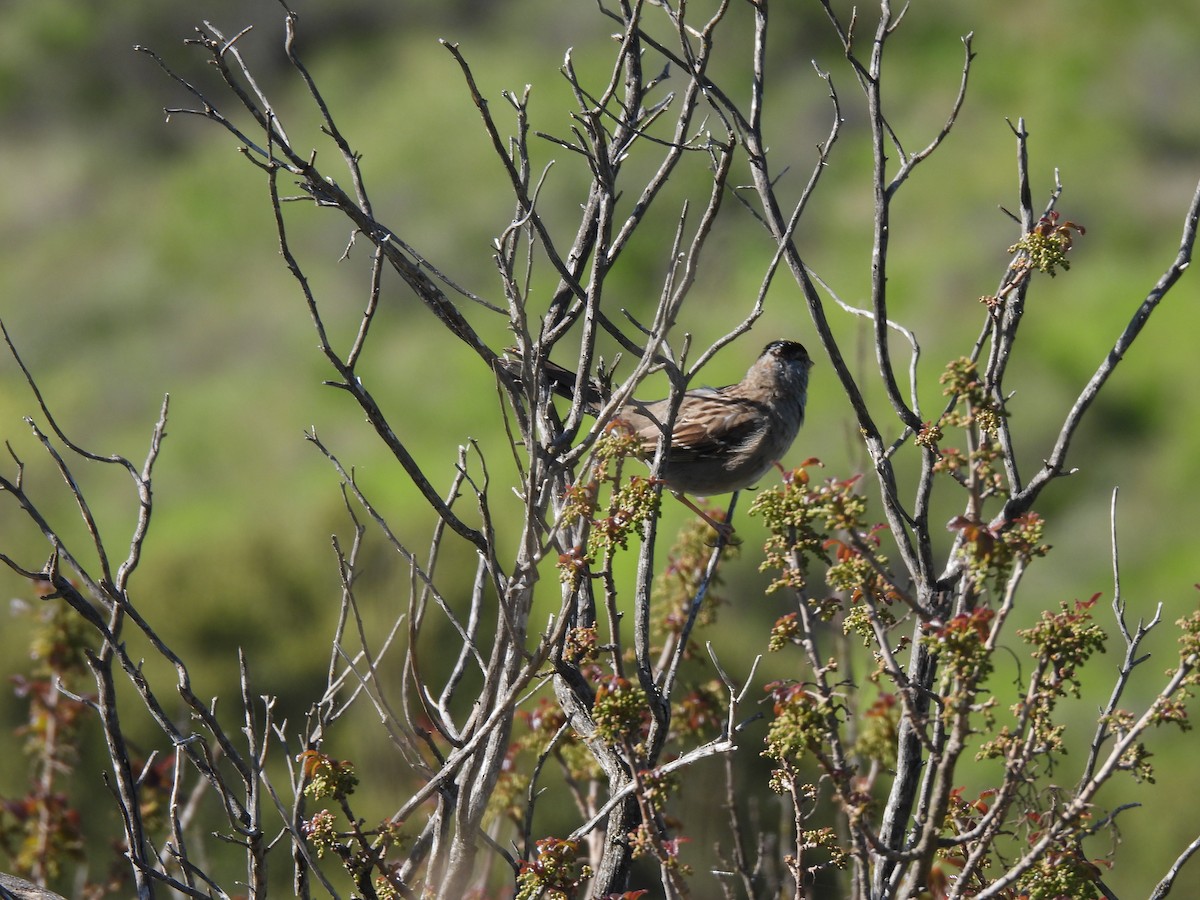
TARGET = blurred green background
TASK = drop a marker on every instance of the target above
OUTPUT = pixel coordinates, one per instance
(139, 258)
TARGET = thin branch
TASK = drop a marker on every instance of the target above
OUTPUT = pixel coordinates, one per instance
(1163, 888)
(1054, 465)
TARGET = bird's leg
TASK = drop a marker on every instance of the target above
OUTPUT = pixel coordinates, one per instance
(723, 529)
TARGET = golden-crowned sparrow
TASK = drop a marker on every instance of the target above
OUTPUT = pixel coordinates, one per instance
(724, 439)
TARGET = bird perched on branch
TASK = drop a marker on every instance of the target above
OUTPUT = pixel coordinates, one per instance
(723, 439)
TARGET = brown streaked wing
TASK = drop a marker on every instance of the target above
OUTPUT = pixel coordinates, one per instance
(712, 425)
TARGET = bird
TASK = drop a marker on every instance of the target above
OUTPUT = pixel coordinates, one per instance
(723, 439)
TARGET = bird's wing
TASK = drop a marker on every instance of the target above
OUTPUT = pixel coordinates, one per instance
(711, 422)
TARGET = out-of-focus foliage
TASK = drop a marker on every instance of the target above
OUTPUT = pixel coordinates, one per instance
(138, 259)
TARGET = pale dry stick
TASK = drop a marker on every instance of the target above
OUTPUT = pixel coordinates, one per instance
(1068, 817)
(326, 709)
(1014, 287)
(917, 557)
(301, 851)
(492, 720)
(408, 556)
(670, 301)
(258, 740)
(687, 60)
(905, 333)
(1014, 284)
(720, 177)
(824, 150)
(667, 308)
(885, 190)
(208, 111)
(407, 871)
(125, 791)
(1017, 761)
(605, 208)
(1007, 603)
(100, 594)
(911, 162)
(1131, 660)
(519, 187)
(613, 616)
(116, 599)
(473, 767)
(1011, 312)
(1065, 820)
(346, 563)
(324, 191)
(140, 480)
(732, 727)
(258, 105)
(179, 848)
(652, 829)
(1118, 601)
(679, 292)
(329, 710)
(473, 622)
(368, 316)
(938, 783)
(590, 138)
(870, 78)
(518, 234)
(837, 765)
(676, 146)
(531, 794)
(327, 193)
(908, 691)
(659, 702)
(723, 744)
(370, 684)
(532, 353)
(667, 676)
(627, 132)
(419, 605)
(897, 516)
(349, 157)
(846, 35)
(1163, 888)
(335, 710)
(191, 808)
(1054, 465)
(157, 876)
(627, 64)
(355, 387)
(633, 126)
(412, 735)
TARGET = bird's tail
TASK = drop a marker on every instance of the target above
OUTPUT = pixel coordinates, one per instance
(560, 380)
